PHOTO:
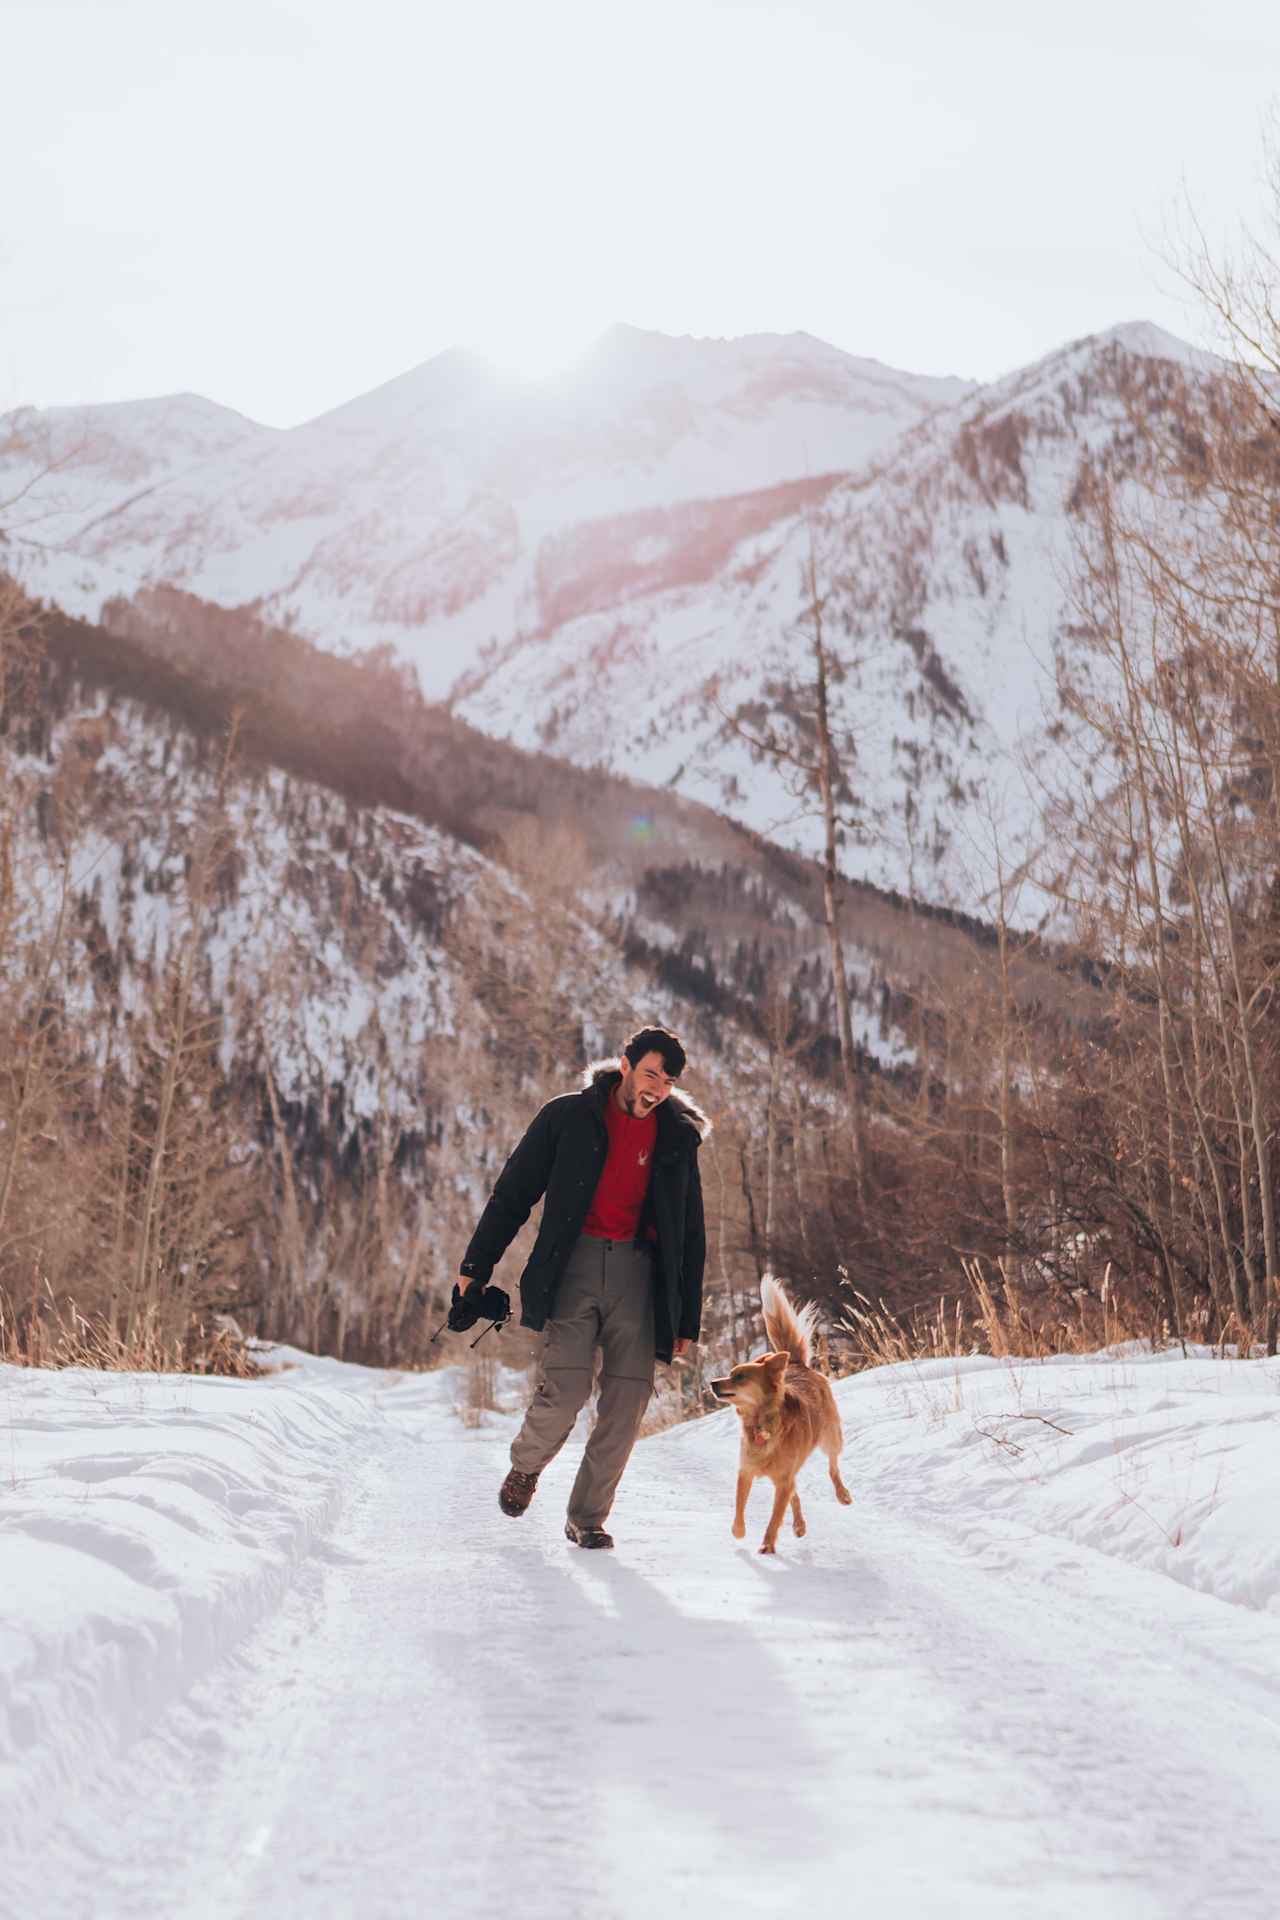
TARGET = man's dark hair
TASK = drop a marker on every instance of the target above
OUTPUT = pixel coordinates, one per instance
(657, 1040)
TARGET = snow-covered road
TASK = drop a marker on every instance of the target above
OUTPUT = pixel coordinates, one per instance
(951, 1699)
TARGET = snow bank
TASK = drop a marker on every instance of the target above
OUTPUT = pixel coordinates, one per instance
(1170, 1464)
(146, 1522)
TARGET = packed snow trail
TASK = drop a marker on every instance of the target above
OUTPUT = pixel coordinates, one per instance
(922, 1709)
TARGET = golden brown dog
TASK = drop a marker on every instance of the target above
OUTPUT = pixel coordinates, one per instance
(787, 1409)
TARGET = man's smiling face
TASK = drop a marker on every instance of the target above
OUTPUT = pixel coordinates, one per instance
(644, 1086)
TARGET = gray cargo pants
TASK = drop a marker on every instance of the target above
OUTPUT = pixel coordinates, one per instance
(605, 1301)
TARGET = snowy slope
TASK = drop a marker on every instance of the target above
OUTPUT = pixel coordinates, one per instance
(330, 962)
(949, 612)
(1030, 1671)
(415, 514)
(146, 1523)
(62, 469)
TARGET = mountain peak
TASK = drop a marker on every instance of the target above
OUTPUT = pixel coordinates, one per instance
(1151, 342)
(622, 333)
(444, 380)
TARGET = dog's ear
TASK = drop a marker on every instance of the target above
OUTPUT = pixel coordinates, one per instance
(775, 1364)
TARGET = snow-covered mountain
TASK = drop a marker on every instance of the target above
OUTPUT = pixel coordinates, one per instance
(606, 564)
(946, 570)
(419, 514)
(64, 469)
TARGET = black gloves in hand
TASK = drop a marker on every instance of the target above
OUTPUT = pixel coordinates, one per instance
(479, 1302)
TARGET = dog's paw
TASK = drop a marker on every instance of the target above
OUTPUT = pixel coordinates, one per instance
(844, 1496)
(768, 1547)
(801, 1529)
(739, 1530)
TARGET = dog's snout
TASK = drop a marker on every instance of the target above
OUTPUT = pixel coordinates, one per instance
(720, 1388)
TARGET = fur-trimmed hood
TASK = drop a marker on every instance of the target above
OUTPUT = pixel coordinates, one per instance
(603, 1074)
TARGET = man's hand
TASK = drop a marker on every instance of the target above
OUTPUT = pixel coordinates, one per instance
(680, 1348)
(464, 1308)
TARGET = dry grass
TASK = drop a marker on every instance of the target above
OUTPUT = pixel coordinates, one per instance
(59, 1335)
(995, 1318)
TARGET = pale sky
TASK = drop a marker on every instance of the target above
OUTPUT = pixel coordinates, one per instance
(282, 203)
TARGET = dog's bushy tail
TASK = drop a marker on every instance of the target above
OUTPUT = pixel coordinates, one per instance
(790, 1329)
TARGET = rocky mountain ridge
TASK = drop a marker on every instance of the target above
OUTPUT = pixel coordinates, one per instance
(606, 566)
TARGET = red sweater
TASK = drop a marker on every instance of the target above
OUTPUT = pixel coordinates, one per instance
(615, 1208)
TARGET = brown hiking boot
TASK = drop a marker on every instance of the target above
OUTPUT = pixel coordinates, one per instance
(516, 1491)
(587, 1536)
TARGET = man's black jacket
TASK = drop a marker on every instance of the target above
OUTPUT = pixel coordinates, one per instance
(562, 1156)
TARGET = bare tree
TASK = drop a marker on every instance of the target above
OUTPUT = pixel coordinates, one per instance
(795, 731)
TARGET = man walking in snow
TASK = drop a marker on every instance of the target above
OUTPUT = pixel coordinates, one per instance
(616, 1267)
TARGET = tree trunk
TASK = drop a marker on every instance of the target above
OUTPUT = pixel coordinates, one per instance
(830, 895)
(752, 1228)
(771, 1156)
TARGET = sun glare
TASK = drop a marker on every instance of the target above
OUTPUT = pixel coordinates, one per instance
(529, 350)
